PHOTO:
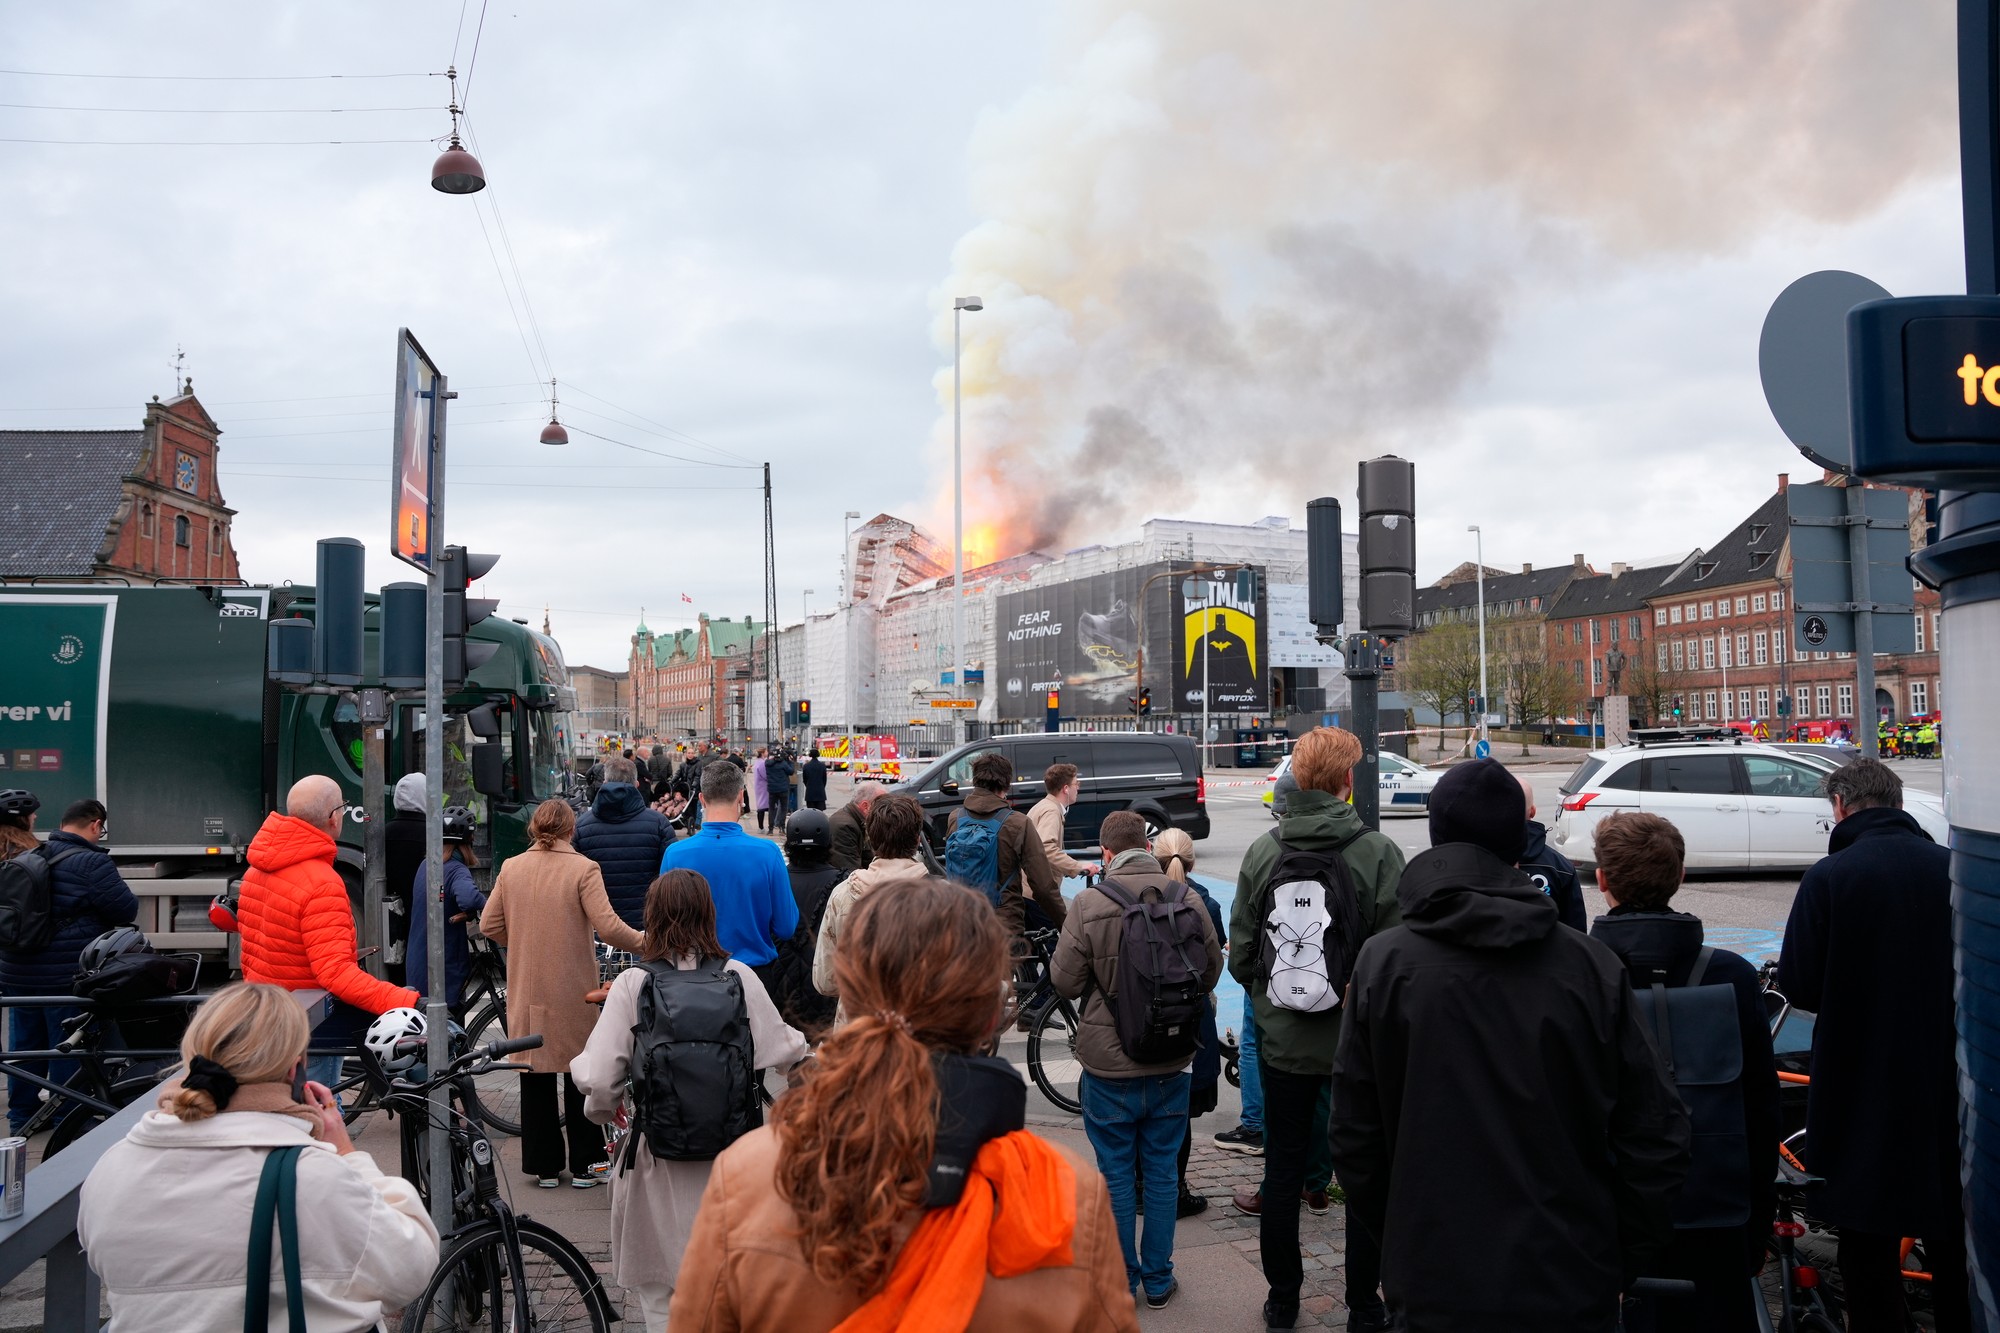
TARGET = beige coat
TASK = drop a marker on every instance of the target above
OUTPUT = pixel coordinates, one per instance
(846, 896)
(549, 902)
(653, 1204)
(1047, 817)
(744, 1271)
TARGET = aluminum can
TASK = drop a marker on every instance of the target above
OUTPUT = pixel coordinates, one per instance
(13, 1177)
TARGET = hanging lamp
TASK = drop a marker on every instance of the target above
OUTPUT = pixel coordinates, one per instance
(553, 433)
(456, 171)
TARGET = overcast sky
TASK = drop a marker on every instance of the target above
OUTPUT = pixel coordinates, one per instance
(1227, 250)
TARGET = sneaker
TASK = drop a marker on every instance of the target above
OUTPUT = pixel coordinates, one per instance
(1242, 1139)
(1249, 1201)
(1159, 1302)
(1315, 1201)
(1191, 1204)
(549, 1183)
(1276, 1318)
(585, 1182)
(1368, 1317)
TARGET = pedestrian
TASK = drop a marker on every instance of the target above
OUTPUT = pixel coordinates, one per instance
(1550, 869)
(992, 847)
(86, 897)
(297, 921)
(778, 774)
(1248, 1135)
(1135, 1082)
(666, 1026)
(812, 775)
(895, 823)
(754, 908)
(626, 838)
(17, 822)
(165, 1213)
(1174, 850)
(1308, 894)
(463, 902)
(546, 904)
(870, 1201)
(1639, 864)
(850, 830)
(687, 782)
(1050, 817)
(405, 843)
(808, 847)
(1868, 951)
(760, 790)
(1501, 1122)
(659, 771)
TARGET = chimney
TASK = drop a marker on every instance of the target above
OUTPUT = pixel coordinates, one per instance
(1527, 568)
(1619, 568)
(1784, 480)
(1576, 562)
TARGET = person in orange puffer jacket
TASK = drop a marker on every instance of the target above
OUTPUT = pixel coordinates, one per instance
(297, 921)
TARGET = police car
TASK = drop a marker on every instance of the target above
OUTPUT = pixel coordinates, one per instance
(1738, 805)
(1405, 787)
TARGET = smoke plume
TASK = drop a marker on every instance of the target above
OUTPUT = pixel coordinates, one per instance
(1229, 249)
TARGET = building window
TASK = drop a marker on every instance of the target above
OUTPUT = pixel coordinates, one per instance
(1659, 615)
(1596, 671)
(1937, 632)
(1612, 624)
(1728, 708)
(1723, 645)
(1708, 654)
(1679, 659)
(1663, 654)
(146, 530)
(1708, 610)
(1675, 613)
(1778, 600)
(1576, 631)
(1846, 700)
(1920, 697)
(1634, 625)
(1690, 609)
(1763, 703)
(1742, 606)
(1596, 632)
(1824, 694)
(1757, 602)
(1763, 648)
(1802, 701)
(1743, 704)
(1777, 645)
(181, 530)
(1576, 670)
(1920, 631)
(1708, 704)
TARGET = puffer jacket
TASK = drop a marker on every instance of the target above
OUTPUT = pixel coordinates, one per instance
(298, 925)
(626, 838)
(1087, 953)
(87, 898)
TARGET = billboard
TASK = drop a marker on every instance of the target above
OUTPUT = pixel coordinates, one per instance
(413, 468)
(1224, 639)
(53, 704)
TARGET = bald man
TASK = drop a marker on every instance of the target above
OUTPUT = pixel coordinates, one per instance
(297, 921)
(1550, 869)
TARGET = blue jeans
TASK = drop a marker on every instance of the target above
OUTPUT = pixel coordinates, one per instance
(31, 1028)
(1135, 1127)
(1246, 1064)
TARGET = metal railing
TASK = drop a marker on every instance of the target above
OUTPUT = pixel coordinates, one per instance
(46, 1228)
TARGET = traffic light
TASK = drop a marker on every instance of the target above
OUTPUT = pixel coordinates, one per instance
(338, 601)
(1388, 494)
(805, 712)
(1326, 598)
(458, 568)
(1677, 706)
(1052, 719)
(1145, 701)
(1248, 583)
(403, 636)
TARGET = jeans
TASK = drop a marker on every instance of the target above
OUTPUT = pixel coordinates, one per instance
(1246, 1063)
(31, 1028)
(1135, 1126)
(1298, 1157)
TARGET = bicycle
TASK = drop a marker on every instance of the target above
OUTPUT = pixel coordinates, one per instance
(500, 1271)
(1053, 1027)
(485, 1000)
(111, 1073)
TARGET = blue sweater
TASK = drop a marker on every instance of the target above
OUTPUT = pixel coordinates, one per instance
(747, 878)
(461, 896)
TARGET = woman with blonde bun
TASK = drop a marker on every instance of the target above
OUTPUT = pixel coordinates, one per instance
(165, 1213)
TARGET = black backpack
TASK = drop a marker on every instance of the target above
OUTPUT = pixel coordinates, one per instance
(792, 989)
(1701, 1045)
(694, 1070)
(1161, 996)
(27, 906)
(1312, 928)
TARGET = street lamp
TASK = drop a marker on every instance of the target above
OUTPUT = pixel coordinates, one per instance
(1479, 575)
(456, 171)
(958, 308)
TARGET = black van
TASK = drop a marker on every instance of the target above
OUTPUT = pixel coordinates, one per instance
(1153, 773)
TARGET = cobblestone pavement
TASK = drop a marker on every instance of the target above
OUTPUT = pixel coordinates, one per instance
(1215, 1174)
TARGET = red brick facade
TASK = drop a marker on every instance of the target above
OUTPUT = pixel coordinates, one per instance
(173, 523)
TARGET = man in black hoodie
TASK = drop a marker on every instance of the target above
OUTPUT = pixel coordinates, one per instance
(1500, 1118)
(626, 837)
(1639, 860)
(1550, 869)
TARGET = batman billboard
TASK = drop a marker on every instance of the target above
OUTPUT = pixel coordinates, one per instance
(1083, 637)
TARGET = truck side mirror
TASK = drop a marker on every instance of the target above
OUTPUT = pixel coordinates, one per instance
(489, 769)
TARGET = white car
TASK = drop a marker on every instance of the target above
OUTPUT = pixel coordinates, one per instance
(1738, 806)
(1405, 787)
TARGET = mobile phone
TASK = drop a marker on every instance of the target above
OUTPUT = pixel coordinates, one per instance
(299, 1083)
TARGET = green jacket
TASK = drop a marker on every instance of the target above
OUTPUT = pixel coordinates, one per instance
(1286, 1039)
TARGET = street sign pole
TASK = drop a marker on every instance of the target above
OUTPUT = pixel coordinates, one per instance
(1364, 673)
(1865, 719)
(437, 1017)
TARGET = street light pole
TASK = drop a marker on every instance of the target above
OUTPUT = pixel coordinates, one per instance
(958, 307)
(1479, 574)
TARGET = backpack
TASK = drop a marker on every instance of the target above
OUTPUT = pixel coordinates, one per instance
(792, 989)
(694, 1072)
(1312, 928)
(1161, 996)
(27, 906)
(972, 854)
(1695, 1028)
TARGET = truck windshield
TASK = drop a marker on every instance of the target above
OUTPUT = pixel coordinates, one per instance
(547, 732)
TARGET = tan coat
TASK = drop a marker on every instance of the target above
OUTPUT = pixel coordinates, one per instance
(743, 1269)
(549, 902)
(1047, 817)
(846, 896)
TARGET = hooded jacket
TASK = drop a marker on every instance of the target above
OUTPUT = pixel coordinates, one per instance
(626, 837)
(1868, 951)
(1500, 1118)
(87, 897)
(1313, 820)
(849, 826)
(297, 921)
(1021, 857)
(1554, 875)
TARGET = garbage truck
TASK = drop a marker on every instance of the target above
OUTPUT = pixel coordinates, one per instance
(158, 702)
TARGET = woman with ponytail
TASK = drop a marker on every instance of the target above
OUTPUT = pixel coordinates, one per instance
(895, 1188)
(165, 1214)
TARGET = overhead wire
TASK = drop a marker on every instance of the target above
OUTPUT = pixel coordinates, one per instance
(638, 448)
(671, 431)
(215, 78)
(207, 143)
(213, 110)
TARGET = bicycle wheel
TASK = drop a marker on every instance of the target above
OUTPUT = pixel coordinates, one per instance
(474, 1287)
(497, 1094)
(356, 1090)
(1052, 1059)
(79, 1121)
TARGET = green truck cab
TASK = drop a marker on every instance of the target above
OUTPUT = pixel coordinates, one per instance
(157, 701)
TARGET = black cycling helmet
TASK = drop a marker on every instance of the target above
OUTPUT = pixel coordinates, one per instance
(15, 801)
(459, 824)
(808, 830)
(113, 943)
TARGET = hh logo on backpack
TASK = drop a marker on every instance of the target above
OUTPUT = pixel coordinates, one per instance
(1312, 930)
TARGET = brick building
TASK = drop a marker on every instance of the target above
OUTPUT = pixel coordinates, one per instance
(143, 505)
(1602, 613)
(693, 682)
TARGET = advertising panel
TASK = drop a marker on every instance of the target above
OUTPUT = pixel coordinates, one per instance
(1082, 637)
(412, 471)
(1226, 636)
(53, 704)
(1289, 629)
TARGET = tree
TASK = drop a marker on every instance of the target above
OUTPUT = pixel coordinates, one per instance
(1439, 668)
(1537, 686)
(1650, 686)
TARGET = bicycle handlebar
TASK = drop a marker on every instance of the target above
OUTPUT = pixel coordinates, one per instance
(508, 1046)
(1661, 1286)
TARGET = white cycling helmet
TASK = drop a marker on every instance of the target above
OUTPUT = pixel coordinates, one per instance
(396, 1039)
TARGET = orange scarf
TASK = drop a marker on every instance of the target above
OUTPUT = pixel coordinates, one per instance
(939, 1275)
